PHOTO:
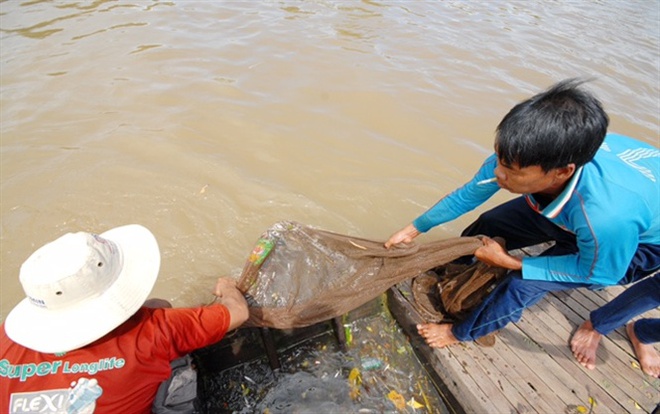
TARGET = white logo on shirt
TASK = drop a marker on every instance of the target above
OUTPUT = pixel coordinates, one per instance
(631, 157)
(79, 399)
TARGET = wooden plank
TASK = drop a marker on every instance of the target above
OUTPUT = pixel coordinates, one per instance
(571, 380)
(618, 347)
(532, 369)
(503, 392)
(546, 379)
(511, 353)
(471, 388)
(607, 351)
(628, 387)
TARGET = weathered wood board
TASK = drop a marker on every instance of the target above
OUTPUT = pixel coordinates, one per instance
(531, 368)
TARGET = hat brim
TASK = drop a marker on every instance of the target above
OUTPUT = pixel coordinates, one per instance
(62, 330)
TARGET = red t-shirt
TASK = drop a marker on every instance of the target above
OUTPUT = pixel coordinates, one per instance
(119, 373)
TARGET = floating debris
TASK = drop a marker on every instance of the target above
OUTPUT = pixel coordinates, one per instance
(370, 364)
(378, 373)
(397, 399)
(357, 245)
(414, 404)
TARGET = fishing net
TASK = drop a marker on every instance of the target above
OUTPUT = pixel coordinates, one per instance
(449, 293)
(297, 275)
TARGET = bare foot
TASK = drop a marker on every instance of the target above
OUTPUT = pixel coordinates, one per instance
(437, 335)
(646, 354)
(585, 343)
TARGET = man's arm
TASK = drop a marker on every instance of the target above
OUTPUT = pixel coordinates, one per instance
(455, 204)
(232, 298)
(494, 254)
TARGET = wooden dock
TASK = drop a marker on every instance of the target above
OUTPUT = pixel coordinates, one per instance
(531, 368)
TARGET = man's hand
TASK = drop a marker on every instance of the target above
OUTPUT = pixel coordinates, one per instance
(405, 235)
(494, 254)
(224, 285)
(232, 298)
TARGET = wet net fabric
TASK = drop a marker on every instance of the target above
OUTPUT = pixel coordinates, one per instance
(297, 275)
(449, 293)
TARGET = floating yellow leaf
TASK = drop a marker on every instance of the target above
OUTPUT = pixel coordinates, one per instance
(592, 402)
(581, 409)
(397, 399)
(354, 377)
(354, 393)
(414, 404)
(635, 364)
(354, 380)
(637, 406)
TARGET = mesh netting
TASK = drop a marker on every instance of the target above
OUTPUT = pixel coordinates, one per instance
(297, 276)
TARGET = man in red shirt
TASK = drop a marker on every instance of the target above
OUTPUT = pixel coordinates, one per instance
(81, 342)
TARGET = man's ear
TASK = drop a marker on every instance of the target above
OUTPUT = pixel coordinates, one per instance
(566, 172)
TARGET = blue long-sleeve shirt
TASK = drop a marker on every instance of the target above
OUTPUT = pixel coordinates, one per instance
(611, 204)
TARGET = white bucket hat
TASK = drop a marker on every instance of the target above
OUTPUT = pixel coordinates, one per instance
(82, 286)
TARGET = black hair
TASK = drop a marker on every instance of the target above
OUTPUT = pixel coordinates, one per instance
(552, 129)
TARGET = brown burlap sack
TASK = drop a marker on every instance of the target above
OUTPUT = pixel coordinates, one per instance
(297, 276)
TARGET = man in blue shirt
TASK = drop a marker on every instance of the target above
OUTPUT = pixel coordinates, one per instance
(594, 194)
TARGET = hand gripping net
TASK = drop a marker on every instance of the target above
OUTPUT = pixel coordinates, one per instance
(297, 276)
